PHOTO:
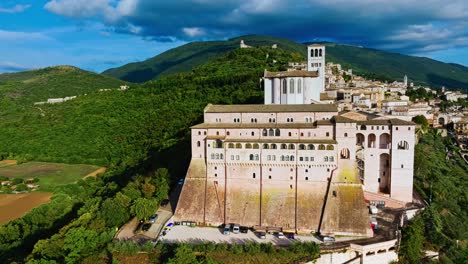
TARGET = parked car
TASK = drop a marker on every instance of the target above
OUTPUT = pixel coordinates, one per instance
(289, 235)
(261, 234)
(236, 229)
(244, 229)
(373, 209)
(153, 218)
(227, 229)
(165, 202)
(146, 227)
(280, 235)
(328, 239)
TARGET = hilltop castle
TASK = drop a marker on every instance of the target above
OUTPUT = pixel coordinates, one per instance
(295, 165)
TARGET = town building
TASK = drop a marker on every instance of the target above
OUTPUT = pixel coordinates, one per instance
(303, 167)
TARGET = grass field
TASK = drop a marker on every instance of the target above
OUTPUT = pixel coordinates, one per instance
(13, 206)
(49, 174)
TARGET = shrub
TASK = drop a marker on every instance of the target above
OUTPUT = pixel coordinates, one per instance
(16, 181)
(252, 248)
(21, 187)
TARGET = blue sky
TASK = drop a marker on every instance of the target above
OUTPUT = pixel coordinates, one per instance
(100, 34)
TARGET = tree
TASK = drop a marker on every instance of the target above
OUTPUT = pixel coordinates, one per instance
(161, 181)
(183, 255)
(143, 208)
(411, 250)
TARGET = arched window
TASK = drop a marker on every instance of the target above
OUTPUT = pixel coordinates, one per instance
(291, 146)
(316, 53)
(221, 156)
(325, 159)
(307, 120)
(403, 145)
(360, 138)
(256, 156)
(301, 146)
(265, 146)
(363, 127)
(251, 157)
(273, 146)
(282, 158)
(344, 153)
(277, 132)
(248, 146)
(252, 133)
(256, 146)
(312, 53)
(331, 159)
(321, 147)
(371, 141)
(291, 86)
(239, 145)
(217, 155)
(320, 53)
(291, 158)
(286, 158)
(283, 146)
(285, 87)
(231, 145)
(289, 134)
(271, 132)
(212, 156)
(218, 144)
(330, 147)
(198, 143)
(265, 132)
(310, 147)
(299, 86)
(346, 134)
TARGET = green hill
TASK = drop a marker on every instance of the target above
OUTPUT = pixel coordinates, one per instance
(191, 55)
(52, 82)
(369, 62)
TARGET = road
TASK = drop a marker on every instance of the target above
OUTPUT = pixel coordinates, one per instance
(188, 234)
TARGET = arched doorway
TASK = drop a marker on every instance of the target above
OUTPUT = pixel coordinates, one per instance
(384, 141)
(360, 139)
(384, 173)
(371, 141)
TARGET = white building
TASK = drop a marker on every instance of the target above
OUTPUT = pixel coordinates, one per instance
(298, 87)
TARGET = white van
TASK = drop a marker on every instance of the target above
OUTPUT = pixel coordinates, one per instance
(236, 229)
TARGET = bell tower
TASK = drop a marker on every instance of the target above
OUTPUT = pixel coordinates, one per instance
(316, 62)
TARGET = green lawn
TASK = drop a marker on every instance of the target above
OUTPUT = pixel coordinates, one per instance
(49, 174)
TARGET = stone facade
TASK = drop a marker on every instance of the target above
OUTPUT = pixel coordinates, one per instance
(299, 167)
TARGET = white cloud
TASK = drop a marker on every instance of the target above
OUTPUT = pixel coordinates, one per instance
(8, 66)
(193, 31)
(22, 36)
(14, 9)
(78, 8)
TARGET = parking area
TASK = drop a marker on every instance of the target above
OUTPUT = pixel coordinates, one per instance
(186, 234)
(129, 232)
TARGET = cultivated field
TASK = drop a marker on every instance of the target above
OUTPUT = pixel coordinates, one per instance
(13, 206)
(49, 174)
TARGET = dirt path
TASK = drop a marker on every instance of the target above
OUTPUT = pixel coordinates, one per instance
(5, 163)
(14, 206)
(126, 232)
(96, 172)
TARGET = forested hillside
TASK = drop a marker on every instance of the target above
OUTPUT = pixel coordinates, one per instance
(115, 127)
(52, 82)
(368, 62)
(187, 57)
(443, 225)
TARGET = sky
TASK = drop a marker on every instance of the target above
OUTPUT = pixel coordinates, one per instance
(99, 34)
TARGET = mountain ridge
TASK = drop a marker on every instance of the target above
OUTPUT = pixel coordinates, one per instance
(369, 62)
